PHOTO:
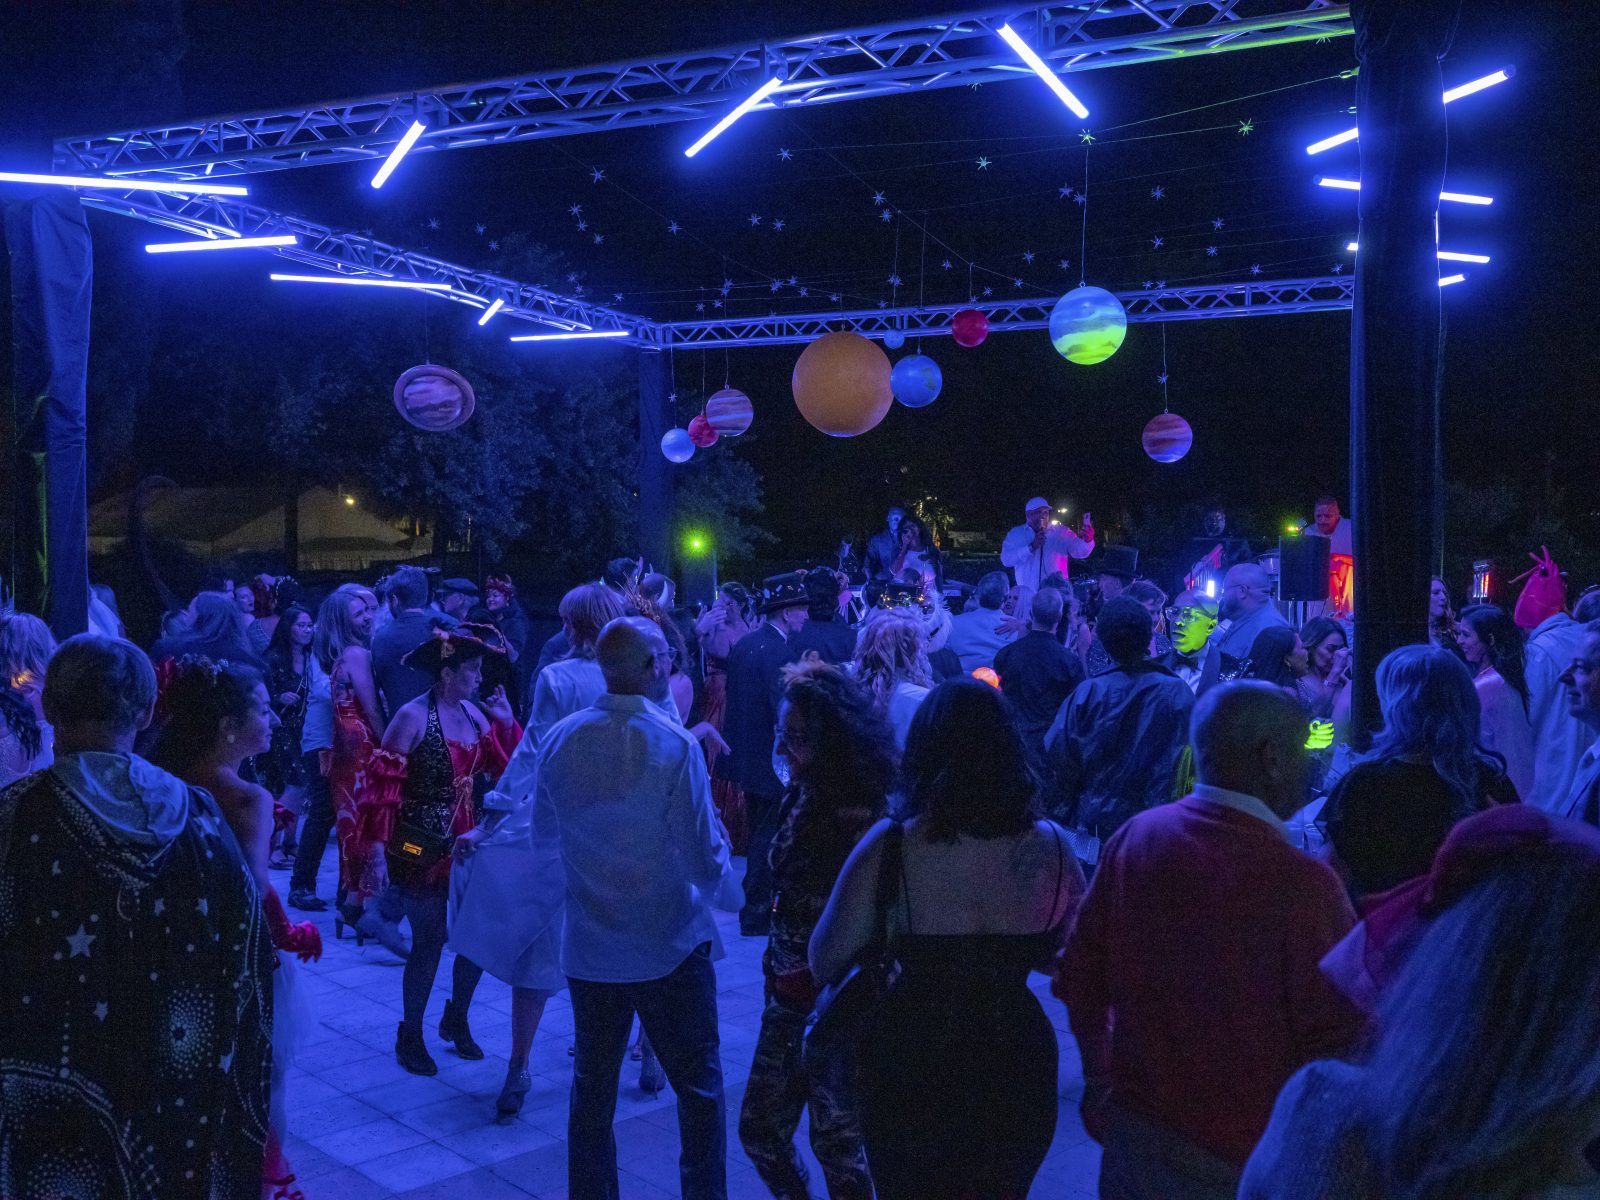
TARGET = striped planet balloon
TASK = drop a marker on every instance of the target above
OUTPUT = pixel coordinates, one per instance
(1167, 437)
(730, 412)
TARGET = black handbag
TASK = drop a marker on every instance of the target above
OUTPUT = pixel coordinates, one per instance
(413, 851)
(845, 1010)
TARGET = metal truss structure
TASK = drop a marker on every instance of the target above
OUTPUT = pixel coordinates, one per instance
(855, 64)
(1324, 294)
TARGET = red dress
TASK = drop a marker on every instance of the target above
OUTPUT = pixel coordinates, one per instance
(727, 795)
(362, 873)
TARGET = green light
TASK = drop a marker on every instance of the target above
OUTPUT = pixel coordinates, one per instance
(696, 542)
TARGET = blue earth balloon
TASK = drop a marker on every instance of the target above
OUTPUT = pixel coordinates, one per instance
(894, 339)
(916, 380)
(677, 446)
(1087, 325)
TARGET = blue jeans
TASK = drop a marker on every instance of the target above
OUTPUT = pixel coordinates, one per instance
(679, 1015)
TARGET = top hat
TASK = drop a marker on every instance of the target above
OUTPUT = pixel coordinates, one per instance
(1121, 562)
(782, 591)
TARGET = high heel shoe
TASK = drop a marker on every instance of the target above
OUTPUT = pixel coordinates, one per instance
(453, 1028)
(509, 1103)
(347, 914)
(652, 1076)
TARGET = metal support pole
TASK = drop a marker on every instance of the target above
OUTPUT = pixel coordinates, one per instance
(655, 472)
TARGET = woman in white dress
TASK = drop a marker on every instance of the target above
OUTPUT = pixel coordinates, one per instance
(508, 888)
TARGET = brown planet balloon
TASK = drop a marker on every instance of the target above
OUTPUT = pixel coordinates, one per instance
(841, 384)
(434, 398)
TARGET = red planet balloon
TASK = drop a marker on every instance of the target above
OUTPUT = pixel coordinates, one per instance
(701, 432)
(1167, 437)
(969, 327)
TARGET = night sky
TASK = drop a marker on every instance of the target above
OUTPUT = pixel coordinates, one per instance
(1268, 397)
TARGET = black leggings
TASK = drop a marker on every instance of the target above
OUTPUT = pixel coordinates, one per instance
(318, 823)
(426, 909)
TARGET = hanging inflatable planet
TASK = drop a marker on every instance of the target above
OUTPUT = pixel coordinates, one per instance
(894, 339)
(701, 431)
(730, 412)
(969, 327)
(1087, 325)
(677, 445)
(841, 384)
(1167, 437)
(916, 380)
(434, 398)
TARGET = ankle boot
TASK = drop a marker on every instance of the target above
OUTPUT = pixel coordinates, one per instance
(509, 1102)
(453, 1028)
(411, 1052)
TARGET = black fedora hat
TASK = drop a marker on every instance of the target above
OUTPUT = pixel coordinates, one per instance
(1121, 562)
(782, 591)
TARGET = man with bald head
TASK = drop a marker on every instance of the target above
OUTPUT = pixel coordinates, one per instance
(1246, 609)
(1191, 975)
(643, 852)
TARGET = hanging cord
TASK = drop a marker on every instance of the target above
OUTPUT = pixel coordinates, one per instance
(427, 352)
(727, 369)
(1164, 406)
(1083, 234)
(922, 278)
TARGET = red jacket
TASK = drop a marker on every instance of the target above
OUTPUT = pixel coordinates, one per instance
(1191, 975)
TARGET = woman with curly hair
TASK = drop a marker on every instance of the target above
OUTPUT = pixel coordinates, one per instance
(218, 715)
(841, 758)
(19, 735)
(892, 665)
(1495, 651)
(26, 645)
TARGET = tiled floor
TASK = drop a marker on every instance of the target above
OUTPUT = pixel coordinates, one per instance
(361, 1127)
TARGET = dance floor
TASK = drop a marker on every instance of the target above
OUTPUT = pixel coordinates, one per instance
(362, 1128)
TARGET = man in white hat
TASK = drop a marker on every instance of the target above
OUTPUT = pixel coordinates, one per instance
(1039, 547)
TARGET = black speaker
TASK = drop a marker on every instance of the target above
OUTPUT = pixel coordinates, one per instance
(699, 579)
(1303, 568)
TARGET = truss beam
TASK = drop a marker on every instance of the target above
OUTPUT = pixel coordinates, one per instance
(1323, 294)
(345, 253)
(853, 64)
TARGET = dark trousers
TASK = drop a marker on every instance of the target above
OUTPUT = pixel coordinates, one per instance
(679, 1015)
(779, 1090)
(762, 813)
(427, 910)
(318, 824)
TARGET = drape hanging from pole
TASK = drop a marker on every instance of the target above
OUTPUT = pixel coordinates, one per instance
(1395, 329)
(47, 237)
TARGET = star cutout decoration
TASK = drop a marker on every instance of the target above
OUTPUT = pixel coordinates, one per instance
(1027, 256)
(572, 277)
(754, 220)
(778, 224)
(946, 264)
(988, 291)
(1161, 283)
(616, 297)
(883, 304)
(805, 291)
(894, 281)
(1216, 222)
(983, 163)
(481, 228)
(598, 238)
(1157, 242)
(793, 280)
(672, 397)
(1080, 197)
(784, 154)
(1064, 191)
(494, 244)
(727, 286)
(1157, 192)
(575, 210)
(877, 197)
(834, 297)
(1064, 264)
(700, 307)
(159, 907)
(1211, 251)
(716, 304)
(1338, 268)
(1016, 283)
(80, 941)
(1255, 268)
(886, 214)
(202, 906)
(1148, 284)
(776, 284)
(1086, 137)
(1162, 379)
(1246, 127)
(582, 225)
(100, 1010)
(433, 222)
(673, 227)
(596, 174)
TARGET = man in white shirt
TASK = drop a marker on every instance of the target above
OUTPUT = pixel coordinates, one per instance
(1559, 737)
(976, 636)
(1582, 682)
(643, 853)
(1039, 547)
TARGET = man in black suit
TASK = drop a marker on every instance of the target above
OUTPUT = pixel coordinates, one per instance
(1037, 673)
(755, 684)
(826, 631)
(884, 546)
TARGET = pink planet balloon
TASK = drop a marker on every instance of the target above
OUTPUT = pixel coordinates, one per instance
(1167, 437)
(701, 432)
(969, 327)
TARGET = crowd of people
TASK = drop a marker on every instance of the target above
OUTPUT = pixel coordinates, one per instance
(1295, 964)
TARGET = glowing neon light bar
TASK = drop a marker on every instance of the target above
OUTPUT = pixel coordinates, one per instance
(570, 337)
(1444, 255)
(401, 148)
(128, 185)
(1455, 93)
(412, 285)
(1042, 69)
(244, 243)
(491, 310)
(744, 106)
(1447, 280)
(1354, 185)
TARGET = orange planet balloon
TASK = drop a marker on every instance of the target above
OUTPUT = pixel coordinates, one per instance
(841, 384)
